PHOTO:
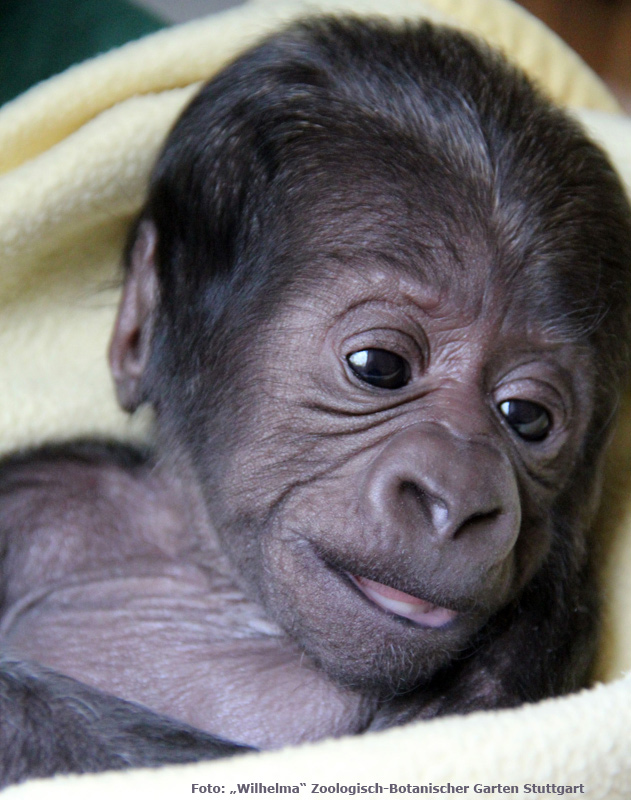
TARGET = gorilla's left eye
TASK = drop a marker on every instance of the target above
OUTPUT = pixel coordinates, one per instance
(529, 420)
(380, 368)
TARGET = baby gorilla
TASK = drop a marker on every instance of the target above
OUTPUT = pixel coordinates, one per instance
(379, 300)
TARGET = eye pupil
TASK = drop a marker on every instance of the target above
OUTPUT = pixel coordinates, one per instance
(380, 368)
(529, 420)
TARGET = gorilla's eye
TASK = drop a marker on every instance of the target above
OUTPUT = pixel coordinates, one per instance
(529, 420)
(380, 368)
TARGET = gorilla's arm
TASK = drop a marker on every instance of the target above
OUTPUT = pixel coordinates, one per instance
(52, 724)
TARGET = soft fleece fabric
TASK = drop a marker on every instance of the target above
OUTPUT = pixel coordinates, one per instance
(75, 153)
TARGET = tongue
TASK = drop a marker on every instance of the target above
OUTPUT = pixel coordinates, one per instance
(404, 605)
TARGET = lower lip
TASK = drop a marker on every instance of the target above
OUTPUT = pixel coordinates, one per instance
(404, 605)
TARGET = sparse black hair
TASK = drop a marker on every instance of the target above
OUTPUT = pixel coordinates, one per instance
(408, 110)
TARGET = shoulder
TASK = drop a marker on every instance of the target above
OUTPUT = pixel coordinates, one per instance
(35, 483)
(65, 504)
(76, 452)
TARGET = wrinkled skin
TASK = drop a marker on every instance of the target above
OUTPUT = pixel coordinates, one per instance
(419, 489)
(380, 368)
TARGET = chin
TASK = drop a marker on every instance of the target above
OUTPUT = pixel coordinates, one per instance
(369, 636)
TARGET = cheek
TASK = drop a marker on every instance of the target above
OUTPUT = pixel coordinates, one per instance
(420, 510)
(302, 577)
(356, 642)
(423, 510)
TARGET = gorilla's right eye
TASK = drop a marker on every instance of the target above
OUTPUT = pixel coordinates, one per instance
(380, 368)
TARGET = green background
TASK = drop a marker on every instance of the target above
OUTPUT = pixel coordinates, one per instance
(39, 38)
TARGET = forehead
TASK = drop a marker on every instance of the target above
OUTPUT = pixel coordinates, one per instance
(434, 231)
(371, 292)
(365, 237)
(385, 215)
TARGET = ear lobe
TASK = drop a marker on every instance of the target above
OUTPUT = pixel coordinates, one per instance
(130, 346)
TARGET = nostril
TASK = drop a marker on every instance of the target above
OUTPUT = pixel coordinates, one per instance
(433, 508)
(449, 518)
(412, 490)
(480, 519)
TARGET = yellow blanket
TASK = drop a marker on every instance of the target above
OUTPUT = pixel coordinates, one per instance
(74, 158)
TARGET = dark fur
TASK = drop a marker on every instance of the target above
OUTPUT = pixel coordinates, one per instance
(52, 724)
(331, 144)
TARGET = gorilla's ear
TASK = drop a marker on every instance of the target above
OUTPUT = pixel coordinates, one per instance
(130, 345)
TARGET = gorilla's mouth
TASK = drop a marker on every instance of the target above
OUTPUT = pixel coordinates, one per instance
(404, 605)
